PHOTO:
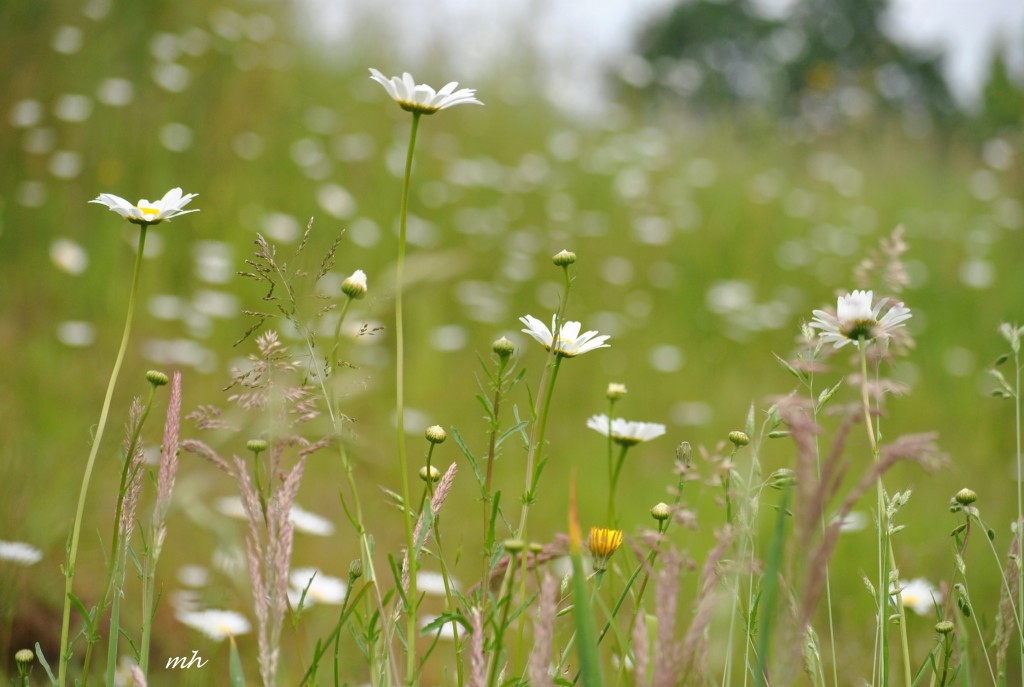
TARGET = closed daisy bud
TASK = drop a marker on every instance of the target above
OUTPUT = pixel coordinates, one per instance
(944, 627)
(661, 512)
(157, 378)
(355, 569)
(503, 348)
(615, 391)
(431, 473)
(513, 545)
(355, 286)
(966, 497)
(24, 657)
(739, 439)
(435, 434)
(257, 446)
(563, 258)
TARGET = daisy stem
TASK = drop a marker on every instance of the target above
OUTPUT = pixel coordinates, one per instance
(615, 483)
(1020, 478)
(69, 570)
(886, 558)
(410, 664)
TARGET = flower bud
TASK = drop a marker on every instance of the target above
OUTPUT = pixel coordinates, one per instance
(257, 446)
(684, 454)
(355, 286)
(739, 439)
(536, 547)
(965, 497)
(157, 378)
(513, 545)
(355, 569)
(435, 434)
(24, 656)
(661, 512)
(431, 474)
(944, 627)
(563, 258)
(615, 391)
(503, 348)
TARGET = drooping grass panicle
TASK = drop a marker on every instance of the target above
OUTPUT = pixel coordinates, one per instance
(916, 448)
(641, 651)
(704, 604)
(539, 670)
(203, 450)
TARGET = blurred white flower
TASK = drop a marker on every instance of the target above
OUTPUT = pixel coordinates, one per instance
(432, 583)
(625, 432)
(215, 624)
(920, 595)
(323, 589)
(19, 553)
(568, 342)
(857, 320)
(421, 98)
(148, 212)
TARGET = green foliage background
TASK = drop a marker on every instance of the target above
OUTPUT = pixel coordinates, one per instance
(661, 206)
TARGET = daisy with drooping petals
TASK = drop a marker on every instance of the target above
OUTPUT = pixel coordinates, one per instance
(603, 542)
(857, 320)
(568, 342)
(148, 212)
(625, 432)
(421, 98)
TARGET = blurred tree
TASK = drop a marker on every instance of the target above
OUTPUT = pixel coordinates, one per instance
(823, 56)
(1002, 102)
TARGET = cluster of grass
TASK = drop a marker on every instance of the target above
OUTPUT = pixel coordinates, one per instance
(702, 246)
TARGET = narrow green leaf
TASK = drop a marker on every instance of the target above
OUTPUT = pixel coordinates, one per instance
(469, 456)
(517, 428)
(770, 586)
(46, 666)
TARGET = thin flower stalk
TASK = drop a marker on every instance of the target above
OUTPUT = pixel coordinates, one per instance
(411, 630)
(166, 475)
(76, 530)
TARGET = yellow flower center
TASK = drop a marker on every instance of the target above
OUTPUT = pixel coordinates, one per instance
(149, 212)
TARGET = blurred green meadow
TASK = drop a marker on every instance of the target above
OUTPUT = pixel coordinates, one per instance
(704, 241)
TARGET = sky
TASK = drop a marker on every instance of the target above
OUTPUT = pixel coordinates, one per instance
(577, 41)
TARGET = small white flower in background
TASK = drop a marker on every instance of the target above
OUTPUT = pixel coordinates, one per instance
(857, 320)
(355, 286)
(444, 631)
(920, 595)
(323, 589)
(146, 211)
(216, 624)
(432, 583)
(569, 342)
(421, 98)
(303, 520)
(854, 521)
(19, 553)
(625, 432)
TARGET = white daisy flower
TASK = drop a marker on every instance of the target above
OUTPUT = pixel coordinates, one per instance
(569, 342)
(857, 320)
(421, 98)
(216, 624)
(432, 583)
(920, 595)
(19, 553)
(625, 432)
(303, 520)
(148, 212)
(323, 589)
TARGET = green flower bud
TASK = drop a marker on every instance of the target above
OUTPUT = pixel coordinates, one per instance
(739, 439)
(944, 627)
(513, 545)
(355, 569)
(24, 657)
(355, 286)
(661, 512)
(503, 348)
(435, 434)
(257, 446)
(431, 474)
(157, 378)
(564, 258)
(965, 497)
